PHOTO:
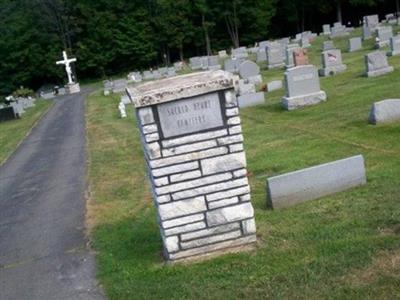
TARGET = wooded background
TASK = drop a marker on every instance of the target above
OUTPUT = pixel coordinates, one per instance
(113, 37)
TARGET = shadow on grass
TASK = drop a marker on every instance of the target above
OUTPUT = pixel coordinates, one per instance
(135, 241)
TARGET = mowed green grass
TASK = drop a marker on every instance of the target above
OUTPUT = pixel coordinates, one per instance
(345, 246)
(12, 132)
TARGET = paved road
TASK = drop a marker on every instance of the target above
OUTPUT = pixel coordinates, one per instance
(43, 248)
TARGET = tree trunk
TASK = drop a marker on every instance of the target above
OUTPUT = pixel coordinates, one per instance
(181, 53)
(235, 23)
(206, 35)
(339, 11)
(398, 7)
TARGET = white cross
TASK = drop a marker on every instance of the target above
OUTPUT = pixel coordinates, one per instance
(67, 63)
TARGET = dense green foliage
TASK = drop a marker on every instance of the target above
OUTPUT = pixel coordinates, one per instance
(112, 37)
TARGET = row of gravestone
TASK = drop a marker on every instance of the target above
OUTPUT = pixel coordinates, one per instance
(16, 108)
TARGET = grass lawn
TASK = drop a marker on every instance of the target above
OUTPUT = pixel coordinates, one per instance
(12, 132)
(345, 246)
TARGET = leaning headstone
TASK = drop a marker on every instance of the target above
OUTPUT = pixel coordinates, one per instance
(328, 45)
(385, 111)
(394, 46)
(332, 63)
(302, 88)
(312, 183)
(274, 56)
(377, 64)
(193, 145)
(384, 35)
(300, 57)
(355, 44)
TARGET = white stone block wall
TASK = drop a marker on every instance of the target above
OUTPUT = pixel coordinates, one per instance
(200, 186)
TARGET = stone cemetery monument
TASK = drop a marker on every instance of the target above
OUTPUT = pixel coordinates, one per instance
(366, 31)
(332, 63)
(305, 42)
(377, 64)
(394, 46)
(385, 111)
(72, 86)
(274, 85)
(240, 52)
(302, 88)
(338, 30)
(384, 35)
(261, 55)
(292, 188)
(371, 21)
(222, 54)
(193, 144)
(274, 56)
(135, 77)
(391, 19)
(232, 65)
(195, 63)
(355, 44)
(7, 113)
(122, 110)
(300, 57)
(119, 86)
(250, 73)
(148, 75)
(326, 29)
(328, 45)
(291, 48)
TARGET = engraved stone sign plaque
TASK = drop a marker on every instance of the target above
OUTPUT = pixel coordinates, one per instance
(190, 115)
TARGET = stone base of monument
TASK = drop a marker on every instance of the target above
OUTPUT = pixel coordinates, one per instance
(72, 88)
(393, 53)
(252, 99)
(276, 66)
(292, 103)
(330, 71)
(255, 79)
(385, 111)
(380, 72)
